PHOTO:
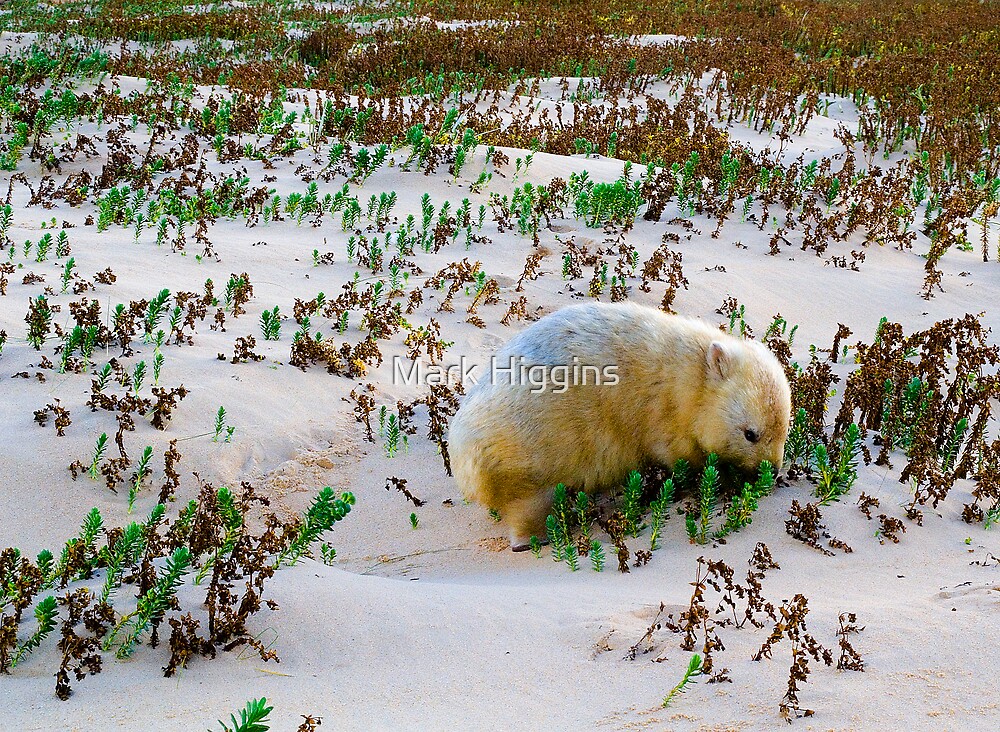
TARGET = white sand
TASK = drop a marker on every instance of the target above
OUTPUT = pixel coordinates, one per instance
(430, 629)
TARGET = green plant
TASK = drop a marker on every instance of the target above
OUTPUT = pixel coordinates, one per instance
(694, 670)
(740, 511)
(154, 313)
(555, 537)
(682, 475)
(99, 449)
(6, 219)
(270, 324)
(953, 445)
(691, 526)
(42, 248)
(631, 503)
(779, 328)
(238, 291)
(836, 478)
(67, 274)
(582, 511)
(414, 521)
(152, 605)
(659, 509)
(325, 510)
(102, 378)
(74, 339)
(600, 203)
(730, 165)
(536, 547)
(561, 512)
(582, 145)
(157, 366)
(597, 555)
(138, 376)
(220, 426)
(800, 446)
(141, 473)
(571, 557)
(393, 435)
(737, 316)
(328, 554)
(708, 490)
(252, 718)
(366, 163)
(689, 187)
(45, 614)
(78, 555)
(123, 553)
(902, 413)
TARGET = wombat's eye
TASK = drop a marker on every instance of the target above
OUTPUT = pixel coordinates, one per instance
(751, 435)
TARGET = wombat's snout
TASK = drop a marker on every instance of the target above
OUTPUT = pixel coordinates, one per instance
(778, 459)
(774, 455)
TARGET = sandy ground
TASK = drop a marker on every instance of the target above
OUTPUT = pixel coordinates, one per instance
(440, 628)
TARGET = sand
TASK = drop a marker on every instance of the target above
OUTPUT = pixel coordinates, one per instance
(440, 627)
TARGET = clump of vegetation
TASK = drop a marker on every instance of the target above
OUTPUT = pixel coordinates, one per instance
(601, 203)
(570, 526)
(740, 510)
(835, 478)
(738, 605)
(211, 537)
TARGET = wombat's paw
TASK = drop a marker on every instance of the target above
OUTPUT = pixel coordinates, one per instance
(522, 544)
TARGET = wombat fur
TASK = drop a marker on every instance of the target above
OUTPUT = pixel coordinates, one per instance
(683, 390)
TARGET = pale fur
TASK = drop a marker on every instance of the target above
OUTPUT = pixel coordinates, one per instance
(685, 390)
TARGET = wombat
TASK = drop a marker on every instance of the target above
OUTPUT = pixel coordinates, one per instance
(593, 391)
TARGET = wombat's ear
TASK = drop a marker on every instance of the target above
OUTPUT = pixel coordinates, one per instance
(719, 360)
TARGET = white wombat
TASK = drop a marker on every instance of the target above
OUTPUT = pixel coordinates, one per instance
(614, 387)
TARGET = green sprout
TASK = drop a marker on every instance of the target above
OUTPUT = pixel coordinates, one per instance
(252, 718)
(99, 449)
(141, 473)
(631, 506)
(597, 555)
(325, 510)
(220, 423)
(694, 670)
(45, 614)
(67, 274)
